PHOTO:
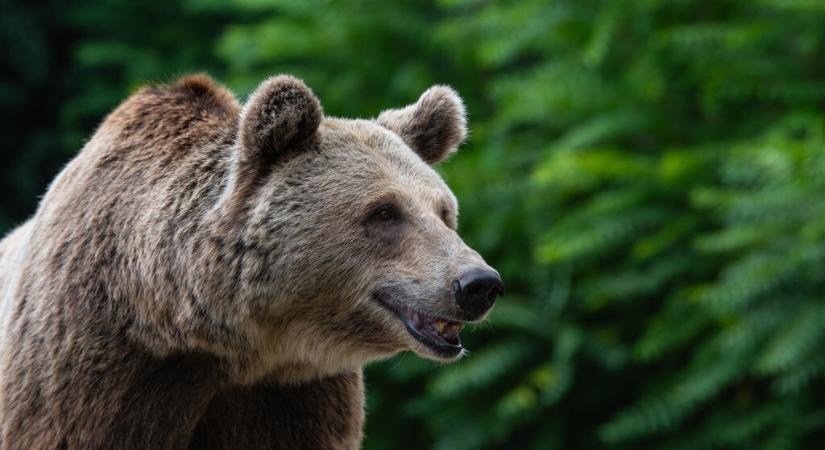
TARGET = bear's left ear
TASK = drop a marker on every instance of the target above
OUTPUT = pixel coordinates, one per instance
(281, 115)
(433, 126)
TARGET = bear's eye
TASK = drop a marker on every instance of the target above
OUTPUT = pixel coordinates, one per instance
(447, 218)
(445, 215)
(386, 214)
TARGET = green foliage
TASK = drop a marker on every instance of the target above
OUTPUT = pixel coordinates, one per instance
(648, 176)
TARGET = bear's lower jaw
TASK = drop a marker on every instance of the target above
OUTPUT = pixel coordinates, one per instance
(439, 336)
(443, 348)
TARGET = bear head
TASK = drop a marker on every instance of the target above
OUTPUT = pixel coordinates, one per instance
(363, 256)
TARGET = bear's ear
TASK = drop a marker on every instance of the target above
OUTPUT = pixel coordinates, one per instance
(433, 126)
(280, 115)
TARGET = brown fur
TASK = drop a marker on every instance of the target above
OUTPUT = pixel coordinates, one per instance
(322, 414)
(434, 126)
(203, 273)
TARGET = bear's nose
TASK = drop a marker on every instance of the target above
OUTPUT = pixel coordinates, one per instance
(476, 290)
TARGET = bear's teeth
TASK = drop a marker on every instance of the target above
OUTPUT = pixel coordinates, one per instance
(441, 324)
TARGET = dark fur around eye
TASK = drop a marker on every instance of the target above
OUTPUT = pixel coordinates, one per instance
(445, 215)
(384, 223)
(387, 213)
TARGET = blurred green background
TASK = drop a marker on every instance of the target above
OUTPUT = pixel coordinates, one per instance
(648, 176)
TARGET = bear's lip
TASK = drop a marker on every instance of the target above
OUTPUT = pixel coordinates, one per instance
(438, 334)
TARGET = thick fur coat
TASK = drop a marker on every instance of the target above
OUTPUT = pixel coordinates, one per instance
(206, 274)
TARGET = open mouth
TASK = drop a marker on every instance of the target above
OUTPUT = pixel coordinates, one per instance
(437, 333)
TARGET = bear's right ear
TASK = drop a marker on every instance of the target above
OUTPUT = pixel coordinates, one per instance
(433, 126)
(280, 116)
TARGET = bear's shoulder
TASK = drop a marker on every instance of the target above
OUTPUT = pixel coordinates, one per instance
(191, 111)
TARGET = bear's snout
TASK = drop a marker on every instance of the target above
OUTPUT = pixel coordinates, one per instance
(476, 290)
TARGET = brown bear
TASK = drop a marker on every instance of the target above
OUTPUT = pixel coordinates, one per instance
(206, 274)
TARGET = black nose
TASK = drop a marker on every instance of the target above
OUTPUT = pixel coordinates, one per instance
(476, 291)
